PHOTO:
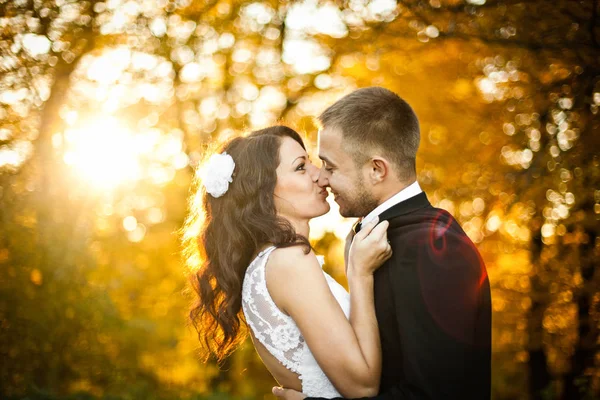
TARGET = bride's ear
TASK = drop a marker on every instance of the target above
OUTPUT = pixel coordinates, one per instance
(379, 169)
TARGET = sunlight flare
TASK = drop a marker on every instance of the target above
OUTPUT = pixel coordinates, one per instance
(104, 153)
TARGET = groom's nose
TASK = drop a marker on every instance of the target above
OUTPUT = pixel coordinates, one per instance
(323, 180)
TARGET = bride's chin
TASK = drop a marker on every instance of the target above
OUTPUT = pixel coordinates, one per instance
(325, 209)
(320, 209)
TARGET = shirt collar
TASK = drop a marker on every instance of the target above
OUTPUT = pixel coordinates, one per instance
(410, 191)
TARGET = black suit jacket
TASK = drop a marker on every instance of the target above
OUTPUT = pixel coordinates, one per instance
(433, 306)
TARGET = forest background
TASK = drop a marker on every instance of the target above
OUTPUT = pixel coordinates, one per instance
(107, 107)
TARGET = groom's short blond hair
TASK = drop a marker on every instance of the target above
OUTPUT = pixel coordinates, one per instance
(376, 119)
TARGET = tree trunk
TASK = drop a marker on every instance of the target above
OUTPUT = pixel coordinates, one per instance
(52, 206)
(578, 382)
(539, 377)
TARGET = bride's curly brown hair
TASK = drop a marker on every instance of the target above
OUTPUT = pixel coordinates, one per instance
(222, 235)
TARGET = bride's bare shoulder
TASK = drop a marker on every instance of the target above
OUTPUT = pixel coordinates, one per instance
(292, 258)
(290, 273)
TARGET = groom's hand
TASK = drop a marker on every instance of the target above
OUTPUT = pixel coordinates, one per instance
(288, 394)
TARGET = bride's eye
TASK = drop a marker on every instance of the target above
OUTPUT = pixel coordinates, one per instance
(300, 167)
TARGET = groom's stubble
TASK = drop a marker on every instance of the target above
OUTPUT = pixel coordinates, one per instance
(358, 203)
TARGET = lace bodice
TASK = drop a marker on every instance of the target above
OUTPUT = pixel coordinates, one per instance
(279, 333)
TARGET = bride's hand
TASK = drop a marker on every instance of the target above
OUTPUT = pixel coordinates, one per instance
(369, 249)
(287, 394)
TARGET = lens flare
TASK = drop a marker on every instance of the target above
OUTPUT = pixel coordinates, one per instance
(104, 153)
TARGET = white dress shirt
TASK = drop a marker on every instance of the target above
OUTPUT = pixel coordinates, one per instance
(410, 191)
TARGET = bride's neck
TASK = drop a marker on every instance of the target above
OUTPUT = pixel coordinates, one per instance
(301, 227)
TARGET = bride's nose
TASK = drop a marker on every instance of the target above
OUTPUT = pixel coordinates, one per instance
(313, 172)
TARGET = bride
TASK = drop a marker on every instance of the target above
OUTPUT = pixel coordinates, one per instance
(247, 232)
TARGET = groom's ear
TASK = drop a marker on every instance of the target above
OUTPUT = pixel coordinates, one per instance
(379, 169)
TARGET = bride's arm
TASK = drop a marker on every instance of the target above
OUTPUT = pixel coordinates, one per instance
(349, 352)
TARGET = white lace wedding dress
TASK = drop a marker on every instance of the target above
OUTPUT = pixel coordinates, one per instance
(280, 334)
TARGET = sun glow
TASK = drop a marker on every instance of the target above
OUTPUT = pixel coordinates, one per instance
(104, 153)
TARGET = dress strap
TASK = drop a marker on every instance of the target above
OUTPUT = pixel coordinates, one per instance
(265, 251)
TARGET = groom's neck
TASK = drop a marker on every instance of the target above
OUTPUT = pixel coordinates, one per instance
(391, 189)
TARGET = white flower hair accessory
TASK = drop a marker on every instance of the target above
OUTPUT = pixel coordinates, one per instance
(217, 174)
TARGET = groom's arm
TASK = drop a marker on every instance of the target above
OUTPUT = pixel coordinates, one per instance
(442, 301)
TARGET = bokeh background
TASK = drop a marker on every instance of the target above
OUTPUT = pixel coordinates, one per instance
(107, 107)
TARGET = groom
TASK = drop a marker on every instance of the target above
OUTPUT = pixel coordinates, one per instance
(432, 298)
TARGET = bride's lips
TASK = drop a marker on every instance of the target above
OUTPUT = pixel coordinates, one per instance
(324, 193)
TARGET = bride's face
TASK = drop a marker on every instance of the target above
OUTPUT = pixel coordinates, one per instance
(297, 195)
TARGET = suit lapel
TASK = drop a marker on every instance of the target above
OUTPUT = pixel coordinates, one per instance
(406, 207)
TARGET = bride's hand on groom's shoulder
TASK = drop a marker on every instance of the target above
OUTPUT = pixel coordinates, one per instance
(288, 394)
(369, 249)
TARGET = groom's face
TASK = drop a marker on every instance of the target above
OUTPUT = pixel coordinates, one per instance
(342, 174)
